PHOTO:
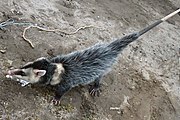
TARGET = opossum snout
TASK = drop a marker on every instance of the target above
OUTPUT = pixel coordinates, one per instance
(13, 72)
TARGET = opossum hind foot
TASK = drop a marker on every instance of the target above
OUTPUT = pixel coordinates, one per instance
(95, 90)
(55, 101)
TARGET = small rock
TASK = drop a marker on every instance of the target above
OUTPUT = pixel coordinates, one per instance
(7, 63)
(132, 87)
(138, 103)
(145, 74)
(3, 51)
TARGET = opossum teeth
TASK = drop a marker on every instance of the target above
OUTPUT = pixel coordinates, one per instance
(23, 83)
(9, 76)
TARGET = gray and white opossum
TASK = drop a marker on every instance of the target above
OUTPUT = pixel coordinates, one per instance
(65, 72)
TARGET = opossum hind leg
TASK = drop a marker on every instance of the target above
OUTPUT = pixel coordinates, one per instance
(62, 88)
(94, 89)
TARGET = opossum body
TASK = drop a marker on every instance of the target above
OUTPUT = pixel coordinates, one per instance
(78, 68)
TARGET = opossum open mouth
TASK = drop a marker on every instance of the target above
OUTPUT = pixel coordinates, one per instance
(11, 73)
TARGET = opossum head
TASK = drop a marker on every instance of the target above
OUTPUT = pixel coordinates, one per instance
(38, 71)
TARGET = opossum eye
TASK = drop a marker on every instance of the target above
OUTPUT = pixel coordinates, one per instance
(23, 73)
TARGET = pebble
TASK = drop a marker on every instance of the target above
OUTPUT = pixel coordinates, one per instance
(3, 51)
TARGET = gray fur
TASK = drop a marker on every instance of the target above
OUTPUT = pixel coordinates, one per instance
(77, 68)
(83, 67)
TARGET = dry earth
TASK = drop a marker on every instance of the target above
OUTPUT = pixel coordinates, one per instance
(143, 85)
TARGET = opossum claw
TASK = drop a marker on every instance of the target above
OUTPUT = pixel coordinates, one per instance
(93, 91)
(55, 101)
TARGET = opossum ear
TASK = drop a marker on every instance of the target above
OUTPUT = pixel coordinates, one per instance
(39, 73)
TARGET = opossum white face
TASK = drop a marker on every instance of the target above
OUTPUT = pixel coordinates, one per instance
(30, 75)
(31, 72)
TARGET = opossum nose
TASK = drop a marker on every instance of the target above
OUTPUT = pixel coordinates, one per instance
(8, 72)
(12, 72)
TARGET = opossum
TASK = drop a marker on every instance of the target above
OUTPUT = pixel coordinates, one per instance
(77, 68)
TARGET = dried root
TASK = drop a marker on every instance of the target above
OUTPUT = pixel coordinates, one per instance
(49, 30)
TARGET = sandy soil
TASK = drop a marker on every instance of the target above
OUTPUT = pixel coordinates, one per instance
(143, 85)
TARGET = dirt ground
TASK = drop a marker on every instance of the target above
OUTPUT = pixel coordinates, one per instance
(143, 85)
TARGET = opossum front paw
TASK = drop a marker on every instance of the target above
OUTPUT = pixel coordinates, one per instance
(55, 101)
(95, 91)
